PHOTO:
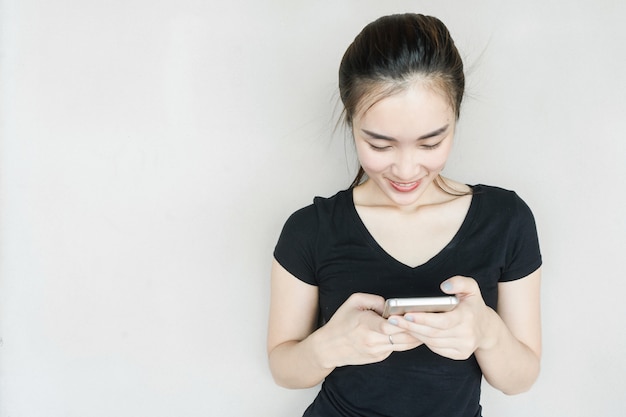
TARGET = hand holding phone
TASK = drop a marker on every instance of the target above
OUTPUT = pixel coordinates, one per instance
(401, 306)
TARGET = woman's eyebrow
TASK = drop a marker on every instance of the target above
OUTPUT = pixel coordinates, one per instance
(378, 136)
(434, 133)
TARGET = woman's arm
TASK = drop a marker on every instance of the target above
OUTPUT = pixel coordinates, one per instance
(301, 356)
(292, 319)
(511, 353)
(507, 344)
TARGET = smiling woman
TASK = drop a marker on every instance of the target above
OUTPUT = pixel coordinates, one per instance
(402, 230)
(412, 140)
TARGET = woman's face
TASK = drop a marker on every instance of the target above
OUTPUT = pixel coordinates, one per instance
(403, 142)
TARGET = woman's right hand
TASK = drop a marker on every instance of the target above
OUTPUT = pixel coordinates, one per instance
(357, 334)
(301, 355)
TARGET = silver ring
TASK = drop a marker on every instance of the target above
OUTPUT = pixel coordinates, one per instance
(390, 340)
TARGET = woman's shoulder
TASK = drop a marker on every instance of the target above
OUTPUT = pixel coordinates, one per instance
(499, 199)
(321, 207)
(493, 191)
(340, 199)
(339, 196)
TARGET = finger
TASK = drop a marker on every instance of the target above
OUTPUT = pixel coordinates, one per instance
(400, 341)
(450, 352)
(402, 347)
(364, 301)
(427, 323)
(459, 285)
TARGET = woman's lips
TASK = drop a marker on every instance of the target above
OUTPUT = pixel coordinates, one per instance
(405, 187)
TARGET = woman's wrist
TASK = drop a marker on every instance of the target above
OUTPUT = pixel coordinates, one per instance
(491, 330)
(321, 353)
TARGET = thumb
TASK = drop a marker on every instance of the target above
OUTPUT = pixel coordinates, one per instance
(363, 301)
(460, 285)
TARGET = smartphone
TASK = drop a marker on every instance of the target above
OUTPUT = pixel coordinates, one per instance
(401, 306)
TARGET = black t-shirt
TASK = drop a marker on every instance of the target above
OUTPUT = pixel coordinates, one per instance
(326, 244)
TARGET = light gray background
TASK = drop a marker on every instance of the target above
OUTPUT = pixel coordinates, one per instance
(151, 151)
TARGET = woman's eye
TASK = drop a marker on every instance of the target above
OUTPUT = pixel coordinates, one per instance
(379, 148)
(433, 146)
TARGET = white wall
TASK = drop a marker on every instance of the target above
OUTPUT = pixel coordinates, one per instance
(150, 152)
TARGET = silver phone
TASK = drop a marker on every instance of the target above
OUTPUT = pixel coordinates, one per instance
(401, 306)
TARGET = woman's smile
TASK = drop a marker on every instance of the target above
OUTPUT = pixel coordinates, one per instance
(405, 187)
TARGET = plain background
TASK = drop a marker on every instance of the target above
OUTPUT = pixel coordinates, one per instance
(151, 151)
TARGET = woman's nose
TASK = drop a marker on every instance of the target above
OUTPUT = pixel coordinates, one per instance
(406, 165)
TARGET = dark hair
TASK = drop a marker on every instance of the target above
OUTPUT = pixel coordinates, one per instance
(391, 53)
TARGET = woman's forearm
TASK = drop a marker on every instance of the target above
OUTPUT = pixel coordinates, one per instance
(297, 364)
(507, 364)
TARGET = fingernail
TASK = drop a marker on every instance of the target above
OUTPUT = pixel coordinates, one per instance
(393, 321)
(408, 318)
(446, 286)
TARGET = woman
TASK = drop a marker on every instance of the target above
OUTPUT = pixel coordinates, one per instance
(402, 230)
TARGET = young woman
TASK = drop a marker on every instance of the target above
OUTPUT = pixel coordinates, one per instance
(402, 230)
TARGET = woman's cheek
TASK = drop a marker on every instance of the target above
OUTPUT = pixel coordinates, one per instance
(374, 163)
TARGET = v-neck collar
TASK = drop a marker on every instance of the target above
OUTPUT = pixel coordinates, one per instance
(440, 256)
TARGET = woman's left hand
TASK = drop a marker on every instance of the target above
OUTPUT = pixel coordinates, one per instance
(455, 334)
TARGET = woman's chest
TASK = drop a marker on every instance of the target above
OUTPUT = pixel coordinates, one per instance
(415, 238)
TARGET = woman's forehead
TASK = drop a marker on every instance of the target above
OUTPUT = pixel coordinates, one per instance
(374, 92)
(427, 96)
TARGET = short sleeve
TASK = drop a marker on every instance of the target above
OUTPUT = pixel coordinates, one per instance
(523, 255)
(295, 250)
